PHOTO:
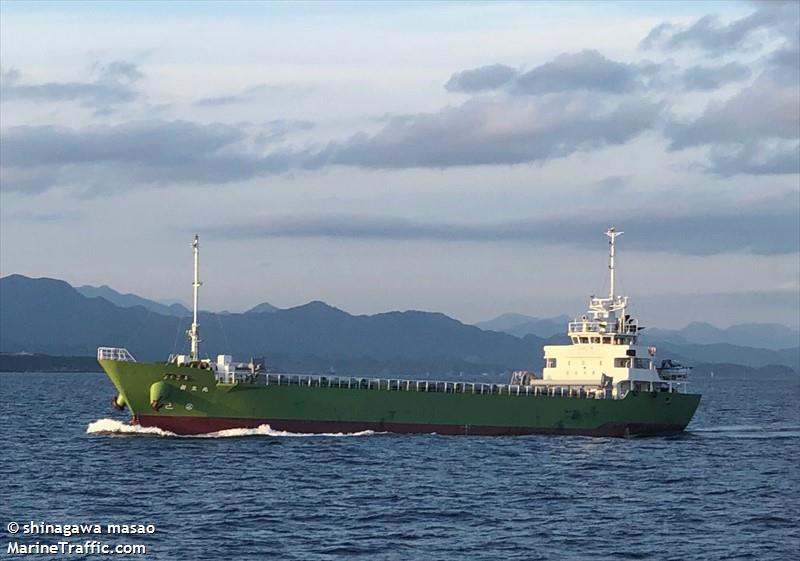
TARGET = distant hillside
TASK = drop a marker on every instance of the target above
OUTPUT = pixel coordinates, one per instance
(521, 325)
(763, 335)
(131, 300)
(263, 308)
(727, 370)
(47, 363)
(758, 335)
(732, 354)
(50, 317)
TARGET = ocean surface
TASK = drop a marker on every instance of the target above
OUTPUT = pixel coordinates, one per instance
(726, 489)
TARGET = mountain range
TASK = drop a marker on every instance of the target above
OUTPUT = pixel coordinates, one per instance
(130, 300)
(175, 309)
(760, 335)
(51, 317)
(521, 325)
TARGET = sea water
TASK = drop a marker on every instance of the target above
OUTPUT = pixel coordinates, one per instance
(726, 489)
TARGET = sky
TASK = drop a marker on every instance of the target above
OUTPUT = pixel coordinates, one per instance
(465, 158)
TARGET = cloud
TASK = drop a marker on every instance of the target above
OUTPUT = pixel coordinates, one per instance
(576, 102)
(219, 101)
(489, 131)
(783, 65)
(717, 38)
(587, 70)
(724, 231)
(35, 158)
(613, 184)
(478, 132)
(255, 94)
(25, 180)
(590, 71)
(754, 158)
(479, 79)
(755, 132)
(713, 77)
(57, 216)
(278, 129)
(118, 71)
(762, 110)
(112, 84)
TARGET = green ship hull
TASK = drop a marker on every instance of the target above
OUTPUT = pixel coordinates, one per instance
(187, 400)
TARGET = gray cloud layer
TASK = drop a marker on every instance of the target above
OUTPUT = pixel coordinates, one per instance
(754, 158)
(588, 70)
(757, 131)
(760, 110)
(714, 77)
(700, 234)
(255, 93)
(717, 38)
(485, 132)
(591, 71)
(479, 132)
(36, 157)
(112, 84)
(480, 79)
(576, 102)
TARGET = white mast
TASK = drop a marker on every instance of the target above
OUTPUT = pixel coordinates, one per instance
(194, 332)
(612, 235)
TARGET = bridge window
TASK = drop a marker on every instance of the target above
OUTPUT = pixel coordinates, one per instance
(641, 363)
(550, 363)
(622, 362)
(595, 339)
(584, 339)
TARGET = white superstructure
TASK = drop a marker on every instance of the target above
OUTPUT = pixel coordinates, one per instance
(604, 356)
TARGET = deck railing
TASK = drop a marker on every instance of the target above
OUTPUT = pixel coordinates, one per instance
(432, 386)
(435, 386)
(602, 328)
(114, 353)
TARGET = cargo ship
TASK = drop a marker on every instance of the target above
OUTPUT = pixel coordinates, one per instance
(602, 383)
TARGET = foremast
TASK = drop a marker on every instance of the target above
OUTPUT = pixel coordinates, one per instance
(194, 331)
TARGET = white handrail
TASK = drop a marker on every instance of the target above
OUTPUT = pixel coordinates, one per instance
(114, 353)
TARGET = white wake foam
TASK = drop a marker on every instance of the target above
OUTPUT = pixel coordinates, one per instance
(114, 427)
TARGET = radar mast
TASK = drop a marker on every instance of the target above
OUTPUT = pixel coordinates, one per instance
(194, 331)
(612, 236)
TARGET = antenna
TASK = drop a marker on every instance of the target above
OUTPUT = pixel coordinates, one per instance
(612, 235)
(194, 332)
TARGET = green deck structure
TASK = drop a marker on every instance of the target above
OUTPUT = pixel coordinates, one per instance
(189, 400)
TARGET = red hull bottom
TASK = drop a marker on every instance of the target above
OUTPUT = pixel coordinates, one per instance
(205, 425)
